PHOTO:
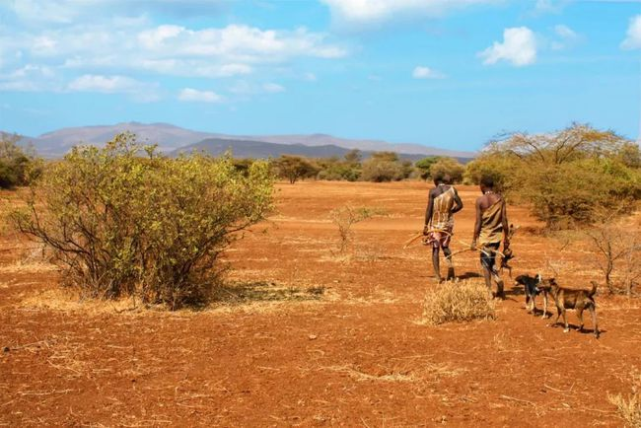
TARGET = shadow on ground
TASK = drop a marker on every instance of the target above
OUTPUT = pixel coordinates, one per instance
(262, 291)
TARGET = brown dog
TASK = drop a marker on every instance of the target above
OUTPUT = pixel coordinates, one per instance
(578, 300)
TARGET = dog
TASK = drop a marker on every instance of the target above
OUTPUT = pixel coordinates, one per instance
(531, 286)
(578, 300)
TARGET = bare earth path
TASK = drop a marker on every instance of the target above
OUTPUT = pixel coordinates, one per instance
(318, 340)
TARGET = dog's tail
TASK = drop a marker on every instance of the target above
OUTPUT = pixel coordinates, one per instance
(592, 291)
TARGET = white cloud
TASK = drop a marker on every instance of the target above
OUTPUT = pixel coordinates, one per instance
(245, 88)
(421, 72)
(116, 47)
(273, 88)
(310, 77)
(238, 43)
(30, 78)
(566, 37)
(194, 95)
(141, 91)
(518, 47)
(377, 11)
(633, 37)
(542, 7)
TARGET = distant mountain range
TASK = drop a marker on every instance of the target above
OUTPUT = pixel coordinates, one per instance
(174, 139)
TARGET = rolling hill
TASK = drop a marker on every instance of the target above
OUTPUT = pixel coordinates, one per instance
(171, 138)
(263, 150)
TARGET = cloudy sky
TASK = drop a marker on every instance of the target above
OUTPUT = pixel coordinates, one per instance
(450, 73)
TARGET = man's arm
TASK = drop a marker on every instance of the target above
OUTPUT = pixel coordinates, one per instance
(477, 225)
(428, 213)
(506, 227)
(459, 203)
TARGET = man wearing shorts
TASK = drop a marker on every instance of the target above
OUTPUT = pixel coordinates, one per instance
(443, 203)
(490, 230)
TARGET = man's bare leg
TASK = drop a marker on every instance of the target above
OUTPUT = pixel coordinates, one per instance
(436, 263)
(500, 292)
(487, 275)
(450, 264)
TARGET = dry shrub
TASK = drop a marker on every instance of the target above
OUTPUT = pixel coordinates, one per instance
(461, 301)
(629, 409)
(347, 216)
(618, 249)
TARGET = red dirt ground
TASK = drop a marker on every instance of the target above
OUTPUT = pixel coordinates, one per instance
(278, 354)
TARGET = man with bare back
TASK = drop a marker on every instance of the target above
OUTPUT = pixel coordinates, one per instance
(490, 230)
(442, 204)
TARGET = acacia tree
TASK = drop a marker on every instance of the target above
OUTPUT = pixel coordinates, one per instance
(578, 141)
(568, 175)
(294, 168)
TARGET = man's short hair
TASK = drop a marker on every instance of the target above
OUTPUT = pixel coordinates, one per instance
(487, 181)
(447, 178)
(439, 177)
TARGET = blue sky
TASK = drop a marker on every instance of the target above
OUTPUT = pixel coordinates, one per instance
(448, 73)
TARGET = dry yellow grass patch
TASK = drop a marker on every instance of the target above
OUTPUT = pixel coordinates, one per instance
(456, 302)
(629, 409)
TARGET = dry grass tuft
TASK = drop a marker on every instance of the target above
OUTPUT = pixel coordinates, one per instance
(629, 409)
(461, 301)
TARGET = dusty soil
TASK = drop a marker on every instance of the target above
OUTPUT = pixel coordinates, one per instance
(311, 337)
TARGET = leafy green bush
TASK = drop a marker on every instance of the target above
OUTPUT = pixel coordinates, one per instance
(125, 221)
(503, 169)
(385, 166)
(424, 165)
(335, 169)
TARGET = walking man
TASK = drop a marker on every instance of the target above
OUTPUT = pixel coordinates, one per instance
(490, 230)
(443, 203)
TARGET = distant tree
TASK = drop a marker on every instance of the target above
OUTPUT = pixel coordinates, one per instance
(18, 167)
(423, 166)
(336, 169)
(450, 167)
(385, 166)
(353, 156)
(243, 165)
(385, 156)
(294, 168)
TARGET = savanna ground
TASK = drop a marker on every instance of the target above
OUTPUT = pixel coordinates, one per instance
(305, 336)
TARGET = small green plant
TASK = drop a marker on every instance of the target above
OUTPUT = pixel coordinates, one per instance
(457, 302)
(125, 221)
